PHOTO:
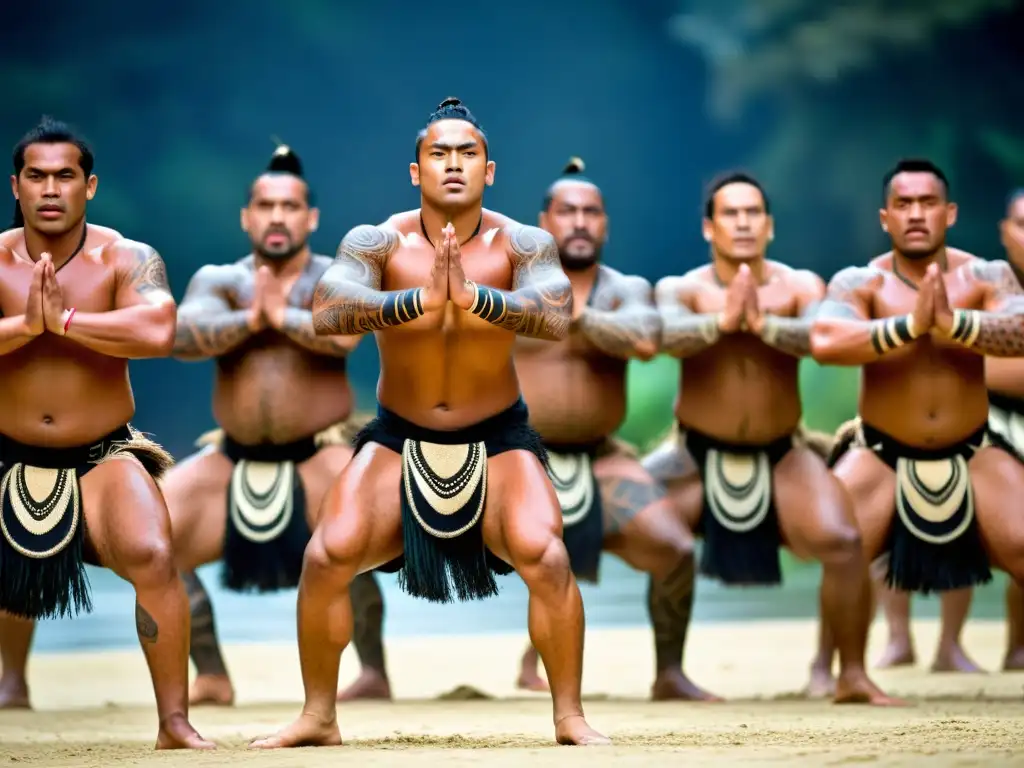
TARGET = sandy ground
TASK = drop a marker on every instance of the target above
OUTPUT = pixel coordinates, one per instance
(95, 709)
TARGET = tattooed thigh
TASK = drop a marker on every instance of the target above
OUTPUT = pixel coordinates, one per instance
(624, 497)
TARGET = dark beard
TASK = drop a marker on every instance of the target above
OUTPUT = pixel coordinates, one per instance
(580, 263)
(279, 255)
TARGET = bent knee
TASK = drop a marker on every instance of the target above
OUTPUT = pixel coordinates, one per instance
(542, 563)
(147, 562)
(331, 555)
(839, 545)
(670, 555)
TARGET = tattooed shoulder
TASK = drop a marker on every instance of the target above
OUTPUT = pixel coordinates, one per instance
(363, 253)
(997, 273)
(847, 282)
(146, 271)
(531, 247)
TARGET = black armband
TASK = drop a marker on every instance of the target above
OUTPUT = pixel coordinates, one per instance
(488, 304)
(966, 326)
(892, 332)
(401, 307)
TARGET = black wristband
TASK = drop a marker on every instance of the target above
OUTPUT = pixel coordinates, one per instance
(401, 307)
(488, 304)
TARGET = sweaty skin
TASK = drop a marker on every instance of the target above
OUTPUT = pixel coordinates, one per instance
(17, 632)
(444, 370)
(755, 371)
(576, 392)
(276, 381)
(65, 389)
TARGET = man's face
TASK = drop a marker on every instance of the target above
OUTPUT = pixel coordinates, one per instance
(917, 214)
(452, 170)
(278, 218)
(52, 188)
(576, 219)
(739, 227)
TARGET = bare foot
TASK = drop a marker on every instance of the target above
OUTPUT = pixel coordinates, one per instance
(177, 733)
(530, 680)
(1014, 660)
(573, 730)
(14, 693)
(953, 659)
(858, 689)
(822, 684)
(308, 731)
(371, 684)
(212, 689)
(896, 654)
(673, 685)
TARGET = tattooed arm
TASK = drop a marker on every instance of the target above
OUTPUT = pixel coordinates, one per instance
(843, 332)
(683, 332)
(142, 323)
(622, 320)
(207, 324)
(539, 305)
(348, 300)
(998, 329)
(298, 326)
(792, 335)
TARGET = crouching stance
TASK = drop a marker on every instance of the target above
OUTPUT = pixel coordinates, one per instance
(78, 481)
(448, 484)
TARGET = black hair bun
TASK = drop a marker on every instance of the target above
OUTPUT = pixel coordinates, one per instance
(451, 101)
(284, 160)
(574, 166)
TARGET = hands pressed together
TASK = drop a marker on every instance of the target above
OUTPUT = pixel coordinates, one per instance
(742, 311)
(45, 310)
(268, 303)
(932, 310)
(447, 279)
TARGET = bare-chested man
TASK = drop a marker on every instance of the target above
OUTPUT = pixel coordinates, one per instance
(1005, 379)
(741, 326)
(576, 392)
(79, 483)
(281, 399)
(17, 632)
(929, 477)
(448, 483)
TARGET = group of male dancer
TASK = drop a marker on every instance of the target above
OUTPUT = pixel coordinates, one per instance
(503, 352)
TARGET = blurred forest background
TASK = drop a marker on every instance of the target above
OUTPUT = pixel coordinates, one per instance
(817, 98)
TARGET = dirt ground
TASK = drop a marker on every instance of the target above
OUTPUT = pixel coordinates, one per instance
(95, 709)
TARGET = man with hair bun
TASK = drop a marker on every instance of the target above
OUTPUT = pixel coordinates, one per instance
(448, 485)
(281, 400)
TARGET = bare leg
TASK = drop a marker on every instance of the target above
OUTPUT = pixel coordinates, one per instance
(15, 644)
(899, 652)
(131, 532)
(950, 655)
(1015, 627)
(368, 616)
(822, 684)
(523, 525)
(212, 684)
(359, 528)
(530, 678)
(817, 520)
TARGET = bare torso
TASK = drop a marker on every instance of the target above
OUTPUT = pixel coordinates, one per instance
(576, 393)
(269, 388)
(53, 391)
(930, 393)
(447, 369)
(741, 390)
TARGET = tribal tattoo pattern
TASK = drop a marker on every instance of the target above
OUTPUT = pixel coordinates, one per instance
(621, 315)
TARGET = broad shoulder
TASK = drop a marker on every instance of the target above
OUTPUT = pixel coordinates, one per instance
(526, 243)
(621, 283)
(126, 252)
(852, 278)
(370, 241)
(801, 280)
(694, 280)
(998, 273)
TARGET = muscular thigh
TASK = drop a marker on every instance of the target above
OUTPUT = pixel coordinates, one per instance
(196, 492)
(361, 519)
(674, 469)
(814, 508)
(872, 488)
(125, 514)
(522, 512)
(997, 479)
(627, 489)
(317, 475)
